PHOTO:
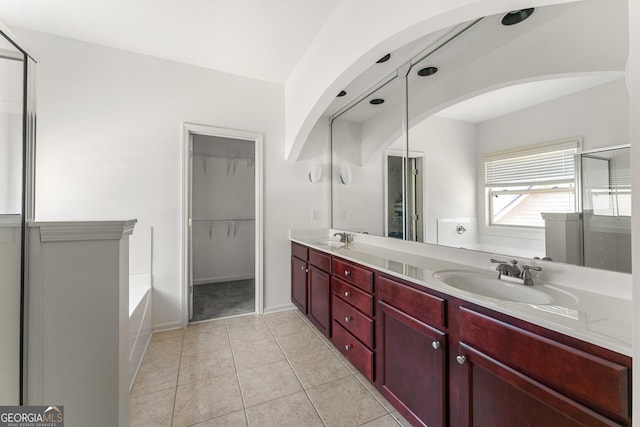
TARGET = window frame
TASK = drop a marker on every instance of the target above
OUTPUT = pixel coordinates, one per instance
(572, 145)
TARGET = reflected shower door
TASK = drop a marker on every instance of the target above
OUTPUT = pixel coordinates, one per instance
(606, 209)
(11, 218)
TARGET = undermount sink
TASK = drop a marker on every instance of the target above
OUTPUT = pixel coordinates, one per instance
(487, 284)
(333, 244)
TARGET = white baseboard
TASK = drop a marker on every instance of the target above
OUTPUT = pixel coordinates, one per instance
(164, 327)
(209, 280)
(279, 308)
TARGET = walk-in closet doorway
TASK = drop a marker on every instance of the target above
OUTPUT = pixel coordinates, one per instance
(222, 213)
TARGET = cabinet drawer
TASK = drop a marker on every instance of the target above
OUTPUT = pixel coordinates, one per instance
(355, 322)
(299, 251)
(353, 350)
(357, 276)
(591, 380)
(354, 296)
(320, 260)
(425, 307)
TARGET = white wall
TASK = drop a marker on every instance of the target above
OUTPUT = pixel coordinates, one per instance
(359, 204)
(449, 170)
(109, 146)
(600, 115)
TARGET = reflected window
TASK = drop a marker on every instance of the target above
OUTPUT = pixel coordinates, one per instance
(522, 183)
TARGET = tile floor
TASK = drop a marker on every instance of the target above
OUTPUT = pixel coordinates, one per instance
(271, 370)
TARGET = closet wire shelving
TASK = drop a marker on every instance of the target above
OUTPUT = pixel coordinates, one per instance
(232, 227)
(232, 160)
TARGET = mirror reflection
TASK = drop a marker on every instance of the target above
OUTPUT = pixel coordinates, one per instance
(500, 147)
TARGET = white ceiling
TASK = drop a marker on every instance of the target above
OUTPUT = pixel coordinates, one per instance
(509, 99)
(263, 39)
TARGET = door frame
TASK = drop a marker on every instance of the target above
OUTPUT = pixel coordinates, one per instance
(188, 130)
(420, 201)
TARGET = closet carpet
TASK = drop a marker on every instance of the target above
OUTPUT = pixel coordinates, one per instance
(214, 300)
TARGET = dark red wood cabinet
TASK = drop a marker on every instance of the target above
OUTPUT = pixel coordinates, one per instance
(496, 395)
(311, 285)
(352, 312)
(512, 376)
(442, 361)
(412, 366)
(299, 277)
(320, 299)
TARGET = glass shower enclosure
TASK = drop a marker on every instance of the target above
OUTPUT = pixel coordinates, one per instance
(17, 135)
(606, 208)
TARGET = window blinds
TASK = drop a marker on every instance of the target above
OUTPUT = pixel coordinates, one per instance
(549, 164)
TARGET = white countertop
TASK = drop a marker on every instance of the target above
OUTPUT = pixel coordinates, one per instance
(597, 318)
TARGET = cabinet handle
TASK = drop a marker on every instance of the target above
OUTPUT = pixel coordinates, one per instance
(347, 347)
(347, 272)
(435, 345)
(461, 359)
(347, 294)
(347, 319)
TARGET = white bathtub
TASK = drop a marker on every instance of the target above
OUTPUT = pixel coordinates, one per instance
(140, 286)
(139, 321)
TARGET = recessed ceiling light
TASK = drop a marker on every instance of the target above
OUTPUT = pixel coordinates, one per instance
(516, 16)
(383, 59)
(427, 71)
(376, 101)
(341, 94)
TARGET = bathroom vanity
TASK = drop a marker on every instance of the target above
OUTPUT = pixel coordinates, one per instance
(443, 356)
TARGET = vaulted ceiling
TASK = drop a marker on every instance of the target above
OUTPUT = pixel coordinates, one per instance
(262, 39)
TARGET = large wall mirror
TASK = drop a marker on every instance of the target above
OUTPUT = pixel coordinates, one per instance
(508, 134)
(17, 123)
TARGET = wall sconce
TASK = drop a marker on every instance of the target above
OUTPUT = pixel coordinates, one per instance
(315, 174)
(345, 175)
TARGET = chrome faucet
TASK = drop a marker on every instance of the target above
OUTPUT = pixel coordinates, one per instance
(344, 237)
(506, 268)
(512, 273)
(526, 274)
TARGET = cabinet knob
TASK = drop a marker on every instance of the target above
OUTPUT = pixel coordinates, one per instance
(347, 272)
(347, 347)
(306, 270)
(435, 345)
(347, 294)
(347, 319)
(302, 268)
(461, 359)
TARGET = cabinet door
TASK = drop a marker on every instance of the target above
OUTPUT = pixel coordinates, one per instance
(411, 366)
(495, 395)
(319, 299)
(299, 270)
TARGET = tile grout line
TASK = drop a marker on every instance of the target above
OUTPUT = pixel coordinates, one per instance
(352, 369)
(244, 404)
(296, 375)
(175, 394)
(264, 320)
(235, 368)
